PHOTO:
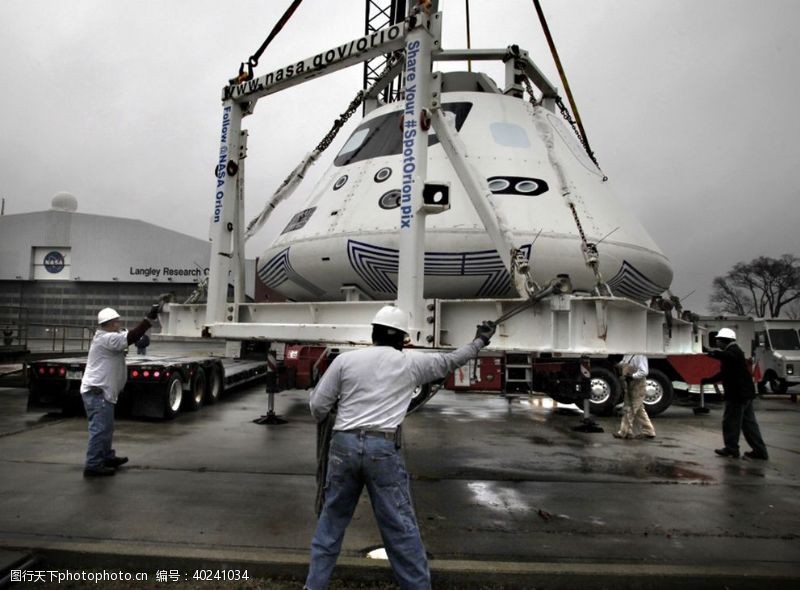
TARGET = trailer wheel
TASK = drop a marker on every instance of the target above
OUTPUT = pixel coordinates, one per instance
(213, 385)
(422, 394)
(173, 395)
(197, 390)
(605, 391)
(658, 393)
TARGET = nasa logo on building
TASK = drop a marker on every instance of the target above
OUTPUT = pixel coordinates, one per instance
(54, 262)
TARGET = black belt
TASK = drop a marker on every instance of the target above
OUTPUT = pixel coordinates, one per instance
(387, 434)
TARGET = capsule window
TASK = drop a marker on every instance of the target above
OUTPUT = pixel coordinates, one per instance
(340, 182)
(390, 200)
(526, 186)
(517, 185)
(383, 136)
(383, 174)
(498, 185)
(356, 141)
(509, 135)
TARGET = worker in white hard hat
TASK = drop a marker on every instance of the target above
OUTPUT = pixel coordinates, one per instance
(103, 379)
(635, 423)
(740, 392)
(373, 387)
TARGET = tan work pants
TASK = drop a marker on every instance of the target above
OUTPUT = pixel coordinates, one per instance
(634, 416)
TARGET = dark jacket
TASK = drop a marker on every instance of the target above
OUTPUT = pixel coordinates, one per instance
(734, 374)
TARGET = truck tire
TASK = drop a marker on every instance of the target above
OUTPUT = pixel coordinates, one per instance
(777, 385)
(605, 391)
(172, 396)
(421, 395)
(658, 394)
(213, 385)
(197, 390)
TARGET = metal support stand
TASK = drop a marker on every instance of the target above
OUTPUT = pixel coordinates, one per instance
(274, 366)
(702, 409)
(270, 418)
(587, 424)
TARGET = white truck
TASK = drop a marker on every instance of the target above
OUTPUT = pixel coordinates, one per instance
(776, 354)
(771, 344)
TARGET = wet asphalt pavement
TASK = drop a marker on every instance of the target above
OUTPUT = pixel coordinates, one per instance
(497, 481)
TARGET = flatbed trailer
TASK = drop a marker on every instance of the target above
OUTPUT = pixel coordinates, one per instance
(157, 386)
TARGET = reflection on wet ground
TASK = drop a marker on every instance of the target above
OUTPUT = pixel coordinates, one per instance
(646, 468)
(491, 478)
(497, 497)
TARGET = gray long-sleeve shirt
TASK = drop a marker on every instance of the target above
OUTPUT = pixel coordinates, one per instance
(374, 385)
(105, 367)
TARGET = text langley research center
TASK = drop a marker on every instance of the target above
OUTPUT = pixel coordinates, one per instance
(166, 271)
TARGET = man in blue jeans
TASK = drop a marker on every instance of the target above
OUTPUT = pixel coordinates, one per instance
(373, 387)
(103, 379)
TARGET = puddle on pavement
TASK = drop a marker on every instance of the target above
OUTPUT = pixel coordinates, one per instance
(742, 468)
(646, 469)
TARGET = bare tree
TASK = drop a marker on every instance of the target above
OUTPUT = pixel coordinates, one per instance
(761, 287)
(793, 310)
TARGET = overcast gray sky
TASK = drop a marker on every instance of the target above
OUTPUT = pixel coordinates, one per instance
(690, 106)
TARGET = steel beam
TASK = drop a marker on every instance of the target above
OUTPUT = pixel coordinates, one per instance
(345, 55)
(225, 211)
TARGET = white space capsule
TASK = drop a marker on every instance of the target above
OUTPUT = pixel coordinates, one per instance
(346, 233)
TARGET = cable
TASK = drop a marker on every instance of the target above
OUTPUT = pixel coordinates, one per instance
(563, 75)
(253, 61)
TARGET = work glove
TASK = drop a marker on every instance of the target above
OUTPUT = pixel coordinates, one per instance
(152, 314)
(485, 331)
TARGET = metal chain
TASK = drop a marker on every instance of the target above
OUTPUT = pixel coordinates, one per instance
(565, 113)
(589, 249)
(339, 123)
(567, 116)
(578, 223)
(354, 104)
(529, 88)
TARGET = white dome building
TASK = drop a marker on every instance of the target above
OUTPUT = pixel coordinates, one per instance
(59, 267)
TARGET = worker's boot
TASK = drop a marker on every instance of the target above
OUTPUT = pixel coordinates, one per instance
(115, 462)
(726, 452)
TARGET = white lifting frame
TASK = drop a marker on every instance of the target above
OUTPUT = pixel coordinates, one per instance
(562, 324)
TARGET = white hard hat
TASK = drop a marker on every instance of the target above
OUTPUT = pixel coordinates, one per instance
(391, 317)
(106, 315)
(726, 333)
